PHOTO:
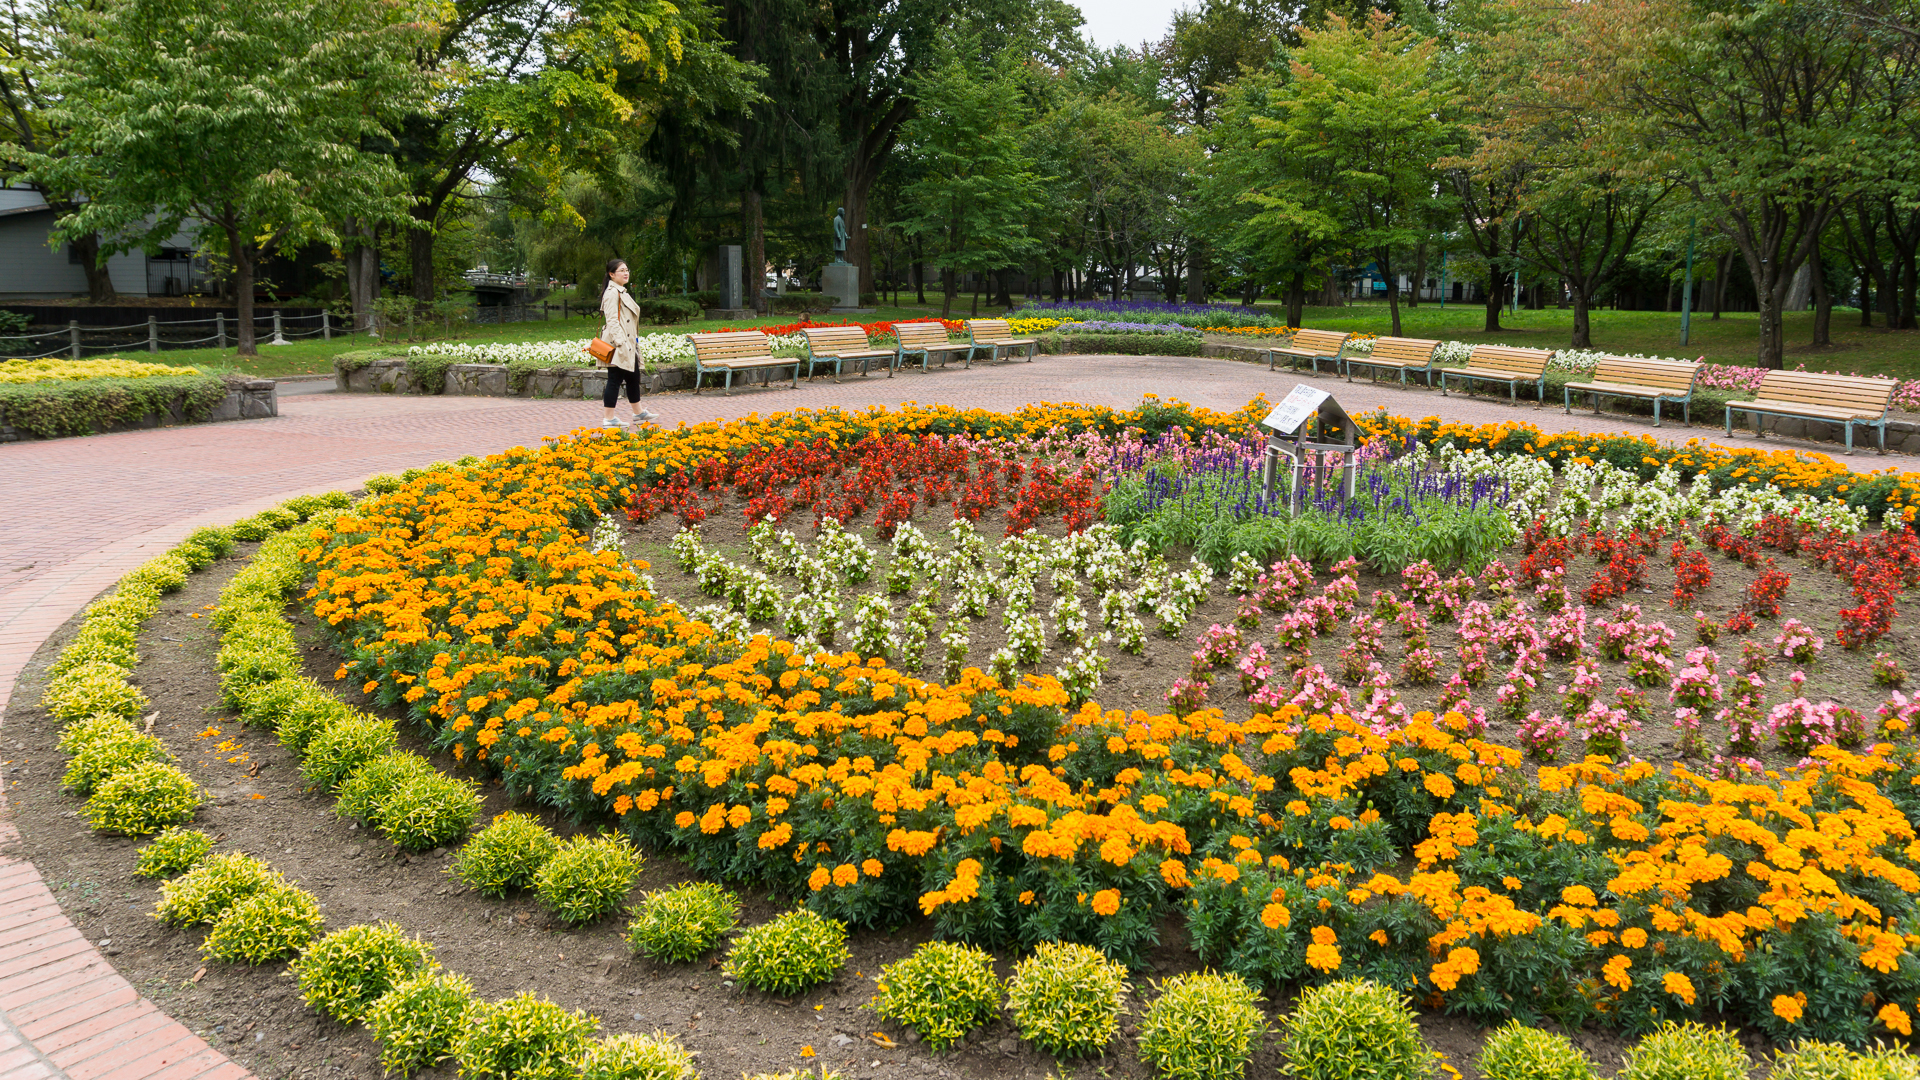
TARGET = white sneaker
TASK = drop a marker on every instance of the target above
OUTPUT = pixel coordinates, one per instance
(610, 422)
(644, 416)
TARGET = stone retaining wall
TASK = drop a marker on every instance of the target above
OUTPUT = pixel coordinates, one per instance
(250, 400)
(491, 380)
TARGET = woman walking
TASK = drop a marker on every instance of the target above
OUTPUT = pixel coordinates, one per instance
(622, 331)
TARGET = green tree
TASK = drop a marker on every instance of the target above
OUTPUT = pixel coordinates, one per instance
(977, 190)
(1362, 109)
(29, 38)
(244, 119)
(1762, 108)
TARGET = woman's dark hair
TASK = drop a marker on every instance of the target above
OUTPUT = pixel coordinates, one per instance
(614, 264)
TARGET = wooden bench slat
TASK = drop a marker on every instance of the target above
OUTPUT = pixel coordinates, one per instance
(1397, 354)
(995, 335)
(1312, 346)
(736, 350)
(1844, 399)
(1503, 363)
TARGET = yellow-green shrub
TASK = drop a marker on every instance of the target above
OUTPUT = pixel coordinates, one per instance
(1519, 1052)
(277, 921)
(92, 688)
(344, 973)
(166, 573)
(343, 746)
(1355, 1028)
(309, 710)
(99, 640)
(522, 1038)
(360, 793)
(254, 650)
(1688, 1051)
(1065, 998)
(589, 876)
(637, 1057)
(505, 855)
(85, 731)
(427, 810)
(143, 799)
(204, 893)
(942, 991)
(1203, 1026)
(793, 952)
(107, 756)
(679, 924)
(417, 1020)
(174, 851)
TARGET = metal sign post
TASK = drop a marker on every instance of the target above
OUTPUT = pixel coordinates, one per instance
(1313, 433)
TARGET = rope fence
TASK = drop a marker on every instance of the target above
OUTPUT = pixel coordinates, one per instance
(75, 341)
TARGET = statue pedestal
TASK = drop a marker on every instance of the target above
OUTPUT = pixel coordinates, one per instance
(842, 282)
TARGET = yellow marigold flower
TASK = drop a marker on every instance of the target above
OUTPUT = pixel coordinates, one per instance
(1106, 902)
(1275, 916)
(1323, 957)
(1510, 882)
(1324, 935)
(1615, 971)
(1578, 895)
(1174, 873)
(1633, 937)
(1439, 785)
(1679, 986)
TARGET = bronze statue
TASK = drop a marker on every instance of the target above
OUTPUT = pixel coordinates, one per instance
(840, 237)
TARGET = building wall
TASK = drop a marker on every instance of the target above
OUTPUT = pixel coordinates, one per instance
(30, 270)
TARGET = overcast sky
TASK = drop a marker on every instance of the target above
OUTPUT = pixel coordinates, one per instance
(1126, 22)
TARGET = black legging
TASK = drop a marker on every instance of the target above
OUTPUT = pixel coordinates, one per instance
(615, 377)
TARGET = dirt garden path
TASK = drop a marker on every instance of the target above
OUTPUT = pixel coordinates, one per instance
(82, 512)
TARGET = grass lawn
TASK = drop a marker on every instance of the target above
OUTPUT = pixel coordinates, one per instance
(1733, 339)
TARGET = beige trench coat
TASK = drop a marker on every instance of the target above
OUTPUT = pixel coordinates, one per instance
(622, 326)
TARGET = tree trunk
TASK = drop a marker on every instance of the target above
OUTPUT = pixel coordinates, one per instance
(1822, 303)
(241, 252)
(1582, 326)
(1005, 299)
(1296, 298)
(1866, 296)
(99, 279)
(1197, 273)
(859, 182)
(1419, 274)
(1496, 287)
(949, 286)
(1384, 259)
(979, 286)
(1721, 268)
(361, 251)
(756, 261)
(420, 255)
(919, 281)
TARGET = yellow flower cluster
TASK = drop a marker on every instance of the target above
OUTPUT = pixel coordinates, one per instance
(16, 372)
(1433, 860)
(1038, 324)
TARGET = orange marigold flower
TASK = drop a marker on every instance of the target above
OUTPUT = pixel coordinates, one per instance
(1106, 902)
(1616, 972)
(845, 874)
(1275, 916)
(819, 879)
(1896, 1018)
(1323, 957)
(1789, 1008)
(872, 868)
(1633, 937)
(1678, 985)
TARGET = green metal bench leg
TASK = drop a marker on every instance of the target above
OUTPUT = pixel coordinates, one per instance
(1566, 400)
(1656, 412)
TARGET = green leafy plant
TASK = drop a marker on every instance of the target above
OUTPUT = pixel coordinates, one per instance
(48, 410)
(1065, 998)
(98, 639)
(589, 876)
(361, 792)
(277, 921)
(217, 539)
(796, 950)
(343, 746)
(1688, 1051)
(427, 810)
(1819, 1061)
(522, 1038)
(204, 893)
(679, 924)
(417, 1020)
(382, 483)
(308, 710)
(109, 755)
(143, 799)
(251, 530)
(1355, 1028)
(942, 991)
(174, 851)
(344, 973)
(505, 855)
(637, 1057)
(80, 733)
(1202, 1027)
(92, 689)
(167, 573)
(1519, 1052)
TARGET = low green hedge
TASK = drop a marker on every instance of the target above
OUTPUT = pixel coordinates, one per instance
(48, 410)
(666, 310)
(1123, 344)
(796, 302)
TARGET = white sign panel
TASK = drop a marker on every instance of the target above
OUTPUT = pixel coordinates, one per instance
(1303, 402)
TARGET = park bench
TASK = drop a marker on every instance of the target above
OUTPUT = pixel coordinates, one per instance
(1399, 354)
(739, 350)
(1312, 346)
(925, 340)
(1846, 400)
(1622, 376)
(993, 335)
(839, 345)
(1501, 363)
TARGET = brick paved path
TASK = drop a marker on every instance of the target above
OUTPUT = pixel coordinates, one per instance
(81, 512)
